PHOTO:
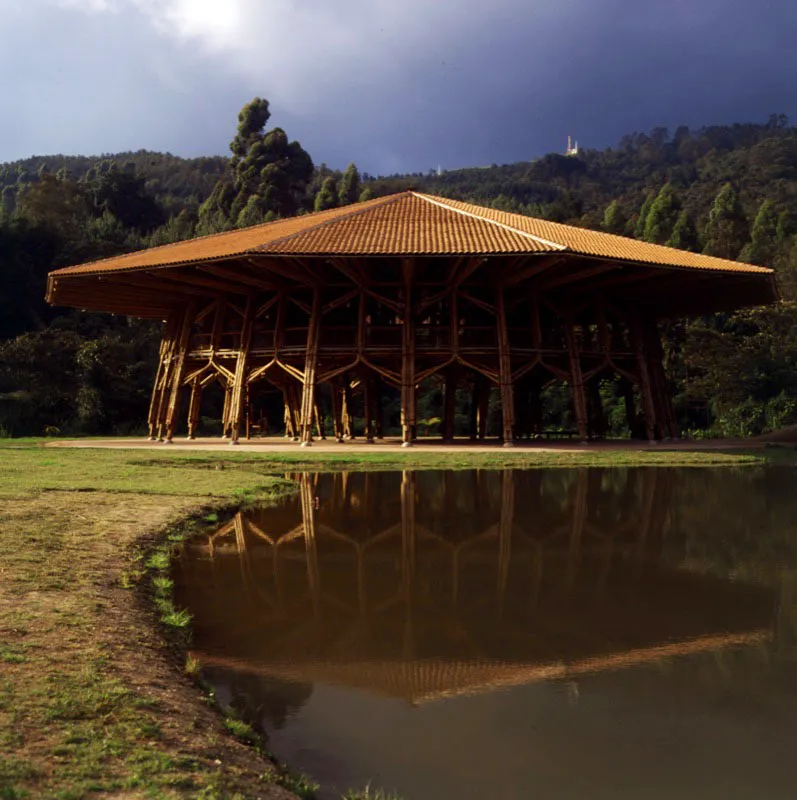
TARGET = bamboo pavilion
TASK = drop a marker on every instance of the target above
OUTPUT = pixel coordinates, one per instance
(383, 295)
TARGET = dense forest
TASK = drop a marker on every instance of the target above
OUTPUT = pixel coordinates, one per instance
(729, 191)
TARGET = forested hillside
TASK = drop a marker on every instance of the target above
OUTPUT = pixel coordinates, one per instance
(729, 191)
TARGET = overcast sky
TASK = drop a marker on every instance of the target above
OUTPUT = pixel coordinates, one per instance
(394, 85)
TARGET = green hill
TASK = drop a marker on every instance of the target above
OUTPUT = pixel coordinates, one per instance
(727, 190)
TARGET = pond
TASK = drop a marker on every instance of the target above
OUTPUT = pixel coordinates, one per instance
(568, 633)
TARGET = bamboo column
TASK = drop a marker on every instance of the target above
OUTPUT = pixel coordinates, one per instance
(368, 407)
(346, 407)
(656, 360)
(408, 420)
(290, 426)
(337, 416)
(279, 327)
(630, 405)
(643, 374)
(294, 409)
(193, 407)
(225, 414)
(168, 377)
(178, 370)
(504, 370)
(248, 413)
(239, 382)
(318, 417)
(161, 377)
(483, 407)
(450, 403)
(576, 382)
(535, 406)
(310, 371)
(452, 373)
(377, 412)
(473, 422)
(596, 417)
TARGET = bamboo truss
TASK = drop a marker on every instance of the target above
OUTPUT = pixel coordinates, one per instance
(347, 332)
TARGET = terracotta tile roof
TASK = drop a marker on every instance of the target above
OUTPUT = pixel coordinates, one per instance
(595, 243)
(217, 245)
(409, 223)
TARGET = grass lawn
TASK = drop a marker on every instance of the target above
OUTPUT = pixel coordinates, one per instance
(94, 699)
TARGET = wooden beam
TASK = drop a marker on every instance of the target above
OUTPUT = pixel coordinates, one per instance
(385, 301)
(537, 265)
(243, 278)
(465, 272)
(239, 381)
(625, 277)
(561, 280)
(198, 280)
(352, 272)
(339, 301)
(285, 269)
(153, 286)
(478, 302)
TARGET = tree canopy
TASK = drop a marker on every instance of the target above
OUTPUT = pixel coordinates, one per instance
(729, 191)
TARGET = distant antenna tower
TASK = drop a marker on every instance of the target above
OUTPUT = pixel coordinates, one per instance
(572, 147)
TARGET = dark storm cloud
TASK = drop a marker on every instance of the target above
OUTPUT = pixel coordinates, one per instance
(393, 86)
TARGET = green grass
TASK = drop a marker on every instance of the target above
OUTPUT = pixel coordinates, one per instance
(370, 794)
(28, 466)
(241, 730)
(302, 786)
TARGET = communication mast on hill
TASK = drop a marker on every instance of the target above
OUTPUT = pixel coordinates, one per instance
(572, 148)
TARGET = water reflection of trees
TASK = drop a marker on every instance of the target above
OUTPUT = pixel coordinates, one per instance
(482, 578)
(259, 700)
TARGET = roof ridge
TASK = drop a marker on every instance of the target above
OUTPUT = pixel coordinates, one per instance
(442, 204)
(388, 199)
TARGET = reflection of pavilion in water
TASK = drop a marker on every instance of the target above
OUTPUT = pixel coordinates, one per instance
(427, 585)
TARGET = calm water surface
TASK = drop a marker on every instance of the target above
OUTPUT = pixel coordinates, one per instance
(578, 633)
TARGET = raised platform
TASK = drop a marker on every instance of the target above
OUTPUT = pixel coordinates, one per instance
(393, 444)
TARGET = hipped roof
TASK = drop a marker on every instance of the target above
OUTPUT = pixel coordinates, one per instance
(404, 224)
